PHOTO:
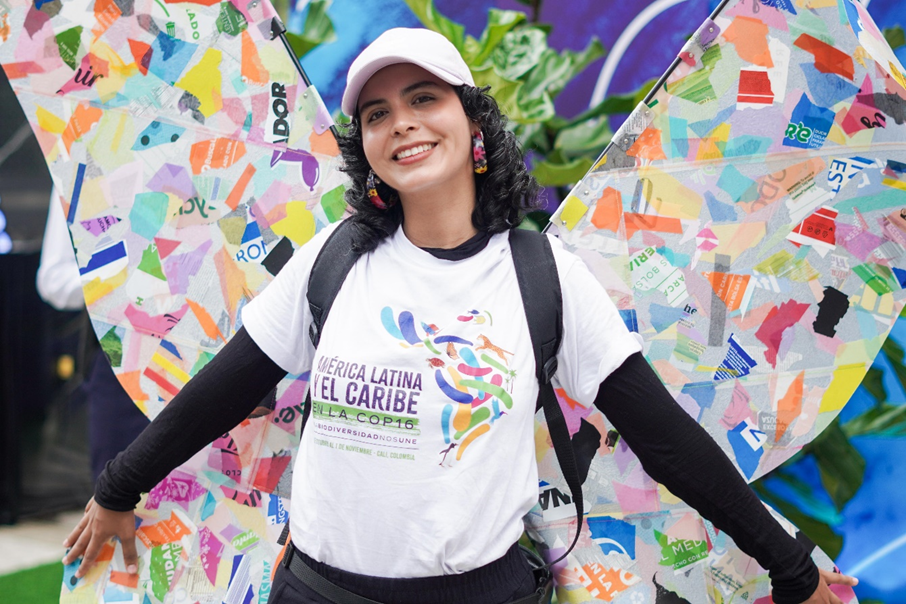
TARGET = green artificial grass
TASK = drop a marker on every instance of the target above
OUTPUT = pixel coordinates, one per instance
(39, 585)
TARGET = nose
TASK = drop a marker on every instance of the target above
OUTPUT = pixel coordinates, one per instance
(404, 121)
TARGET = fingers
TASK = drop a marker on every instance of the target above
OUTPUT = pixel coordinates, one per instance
(833, 578)
(130, 556)
(836, 578)
(93, 531)
(78, 548)
(91, 554)
(74, 535)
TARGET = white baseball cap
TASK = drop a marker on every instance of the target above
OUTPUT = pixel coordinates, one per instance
(425, 48)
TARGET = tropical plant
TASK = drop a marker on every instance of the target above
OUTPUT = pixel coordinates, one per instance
(317, 29)
(512, 56)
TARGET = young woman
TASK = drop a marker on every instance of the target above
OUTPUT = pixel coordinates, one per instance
(437, 183)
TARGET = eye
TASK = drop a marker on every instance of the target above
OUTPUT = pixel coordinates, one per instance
(422, 98)
(374, 115)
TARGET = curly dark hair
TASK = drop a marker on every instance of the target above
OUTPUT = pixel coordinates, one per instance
(504, 193)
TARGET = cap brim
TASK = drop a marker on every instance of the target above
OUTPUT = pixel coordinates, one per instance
(349, 104)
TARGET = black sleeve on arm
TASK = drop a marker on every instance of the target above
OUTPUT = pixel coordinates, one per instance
(213, 402)
(678, 453)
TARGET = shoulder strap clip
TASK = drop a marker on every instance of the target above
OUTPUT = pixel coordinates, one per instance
(549, 369)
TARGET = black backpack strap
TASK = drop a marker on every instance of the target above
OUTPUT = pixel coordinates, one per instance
(328, 273)
(539, 284)
(327, 276)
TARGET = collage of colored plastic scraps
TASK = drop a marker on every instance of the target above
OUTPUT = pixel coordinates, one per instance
(193, 159)
(749, 221)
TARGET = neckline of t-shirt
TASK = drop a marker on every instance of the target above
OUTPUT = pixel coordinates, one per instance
(464, 250)
(412, 253)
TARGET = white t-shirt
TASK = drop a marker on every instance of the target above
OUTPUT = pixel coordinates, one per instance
(419, 457)
(59, 282)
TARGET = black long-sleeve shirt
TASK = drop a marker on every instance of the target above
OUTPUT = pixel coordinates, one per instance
(678, 453)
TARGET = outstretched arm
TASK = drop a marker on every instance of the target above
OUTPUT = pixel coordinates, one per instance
(678, 453)
(213, 402)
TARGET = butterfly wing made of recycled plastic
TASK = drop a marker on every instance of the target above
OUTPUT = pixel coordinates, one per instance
(749, 222)
(192, 158)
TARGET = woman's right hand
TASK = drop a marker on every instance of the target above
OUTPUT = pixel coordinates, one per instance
(96, 528)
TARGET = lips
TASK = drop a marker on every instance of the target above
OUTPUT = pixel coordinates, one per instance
(411, 151)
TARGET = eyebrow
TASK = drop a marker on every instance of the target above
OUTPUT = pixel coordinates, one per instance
(403, 92)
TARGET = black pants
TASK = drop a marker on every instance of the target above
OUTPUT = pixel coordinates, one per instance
(499, 582)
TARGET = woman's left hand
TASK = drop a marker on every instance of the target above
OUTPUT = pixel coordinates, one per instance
(823, 595)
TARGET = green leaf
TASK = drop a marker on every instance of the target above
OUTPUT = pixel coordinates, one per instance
(534, 221)
(815, 506)
(433, 20)
(556, 157)
(883, 420)
(895, 355)
(533, 137)
(551, 174)
(500, 22)
(841, 466)
(895, 36)
(819, 532)
(506, 92)
(554, 71)
(281, 6)
(301, 46)
(618, 103)
(538, 109)
(609, 106)
(502, 89)
(874, 384)
(584, 138)
(643, 91)
(318, 29)
(340, 118)
(545, 76)
(594, 51)
(519, 51)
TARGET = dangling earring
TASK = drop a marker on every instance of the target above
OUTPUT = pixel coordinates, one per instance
(373, 197)
(479, 155)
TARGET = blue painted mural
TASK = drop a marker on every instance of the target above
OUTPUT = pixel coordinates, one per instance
(642, 38)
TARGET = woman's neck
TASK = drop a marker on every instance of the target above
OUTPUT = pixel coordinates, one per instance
(440, 219)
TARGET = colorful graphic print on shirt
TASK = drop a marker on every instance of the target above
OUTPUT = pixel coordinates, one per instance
(473, 375)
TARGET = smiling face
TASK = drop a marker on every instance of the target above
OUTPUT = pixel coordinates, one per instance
(415, 133)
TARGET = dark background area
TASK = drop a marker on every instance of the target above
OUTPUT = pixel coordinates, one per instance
(43, 418)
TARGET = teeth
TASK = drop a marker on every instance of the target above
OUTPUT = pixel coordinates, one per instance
(414, 151)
